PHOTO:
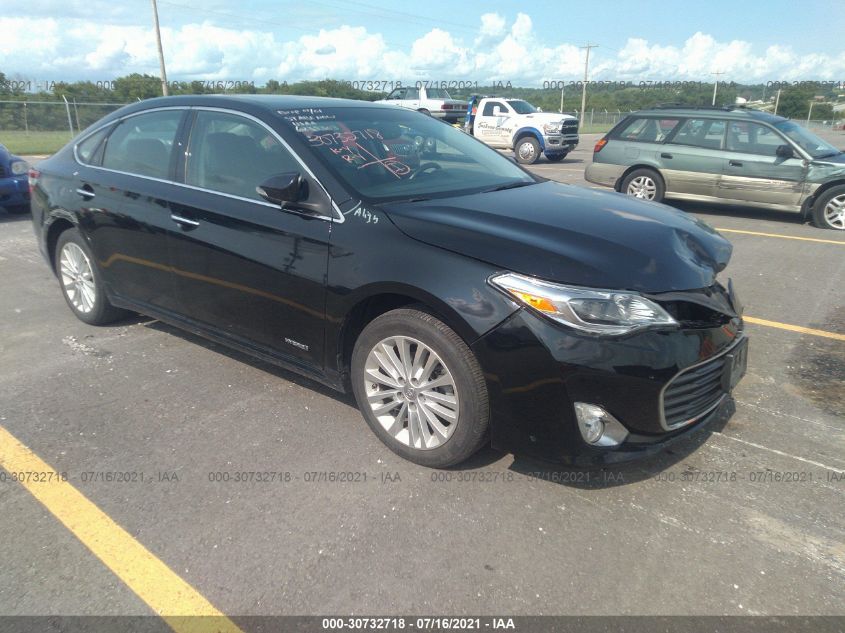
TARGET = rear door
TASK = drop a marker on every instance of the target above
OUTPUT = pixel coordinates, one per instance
(247, 269)
(692, 157)
(753, 172)
(126, 192)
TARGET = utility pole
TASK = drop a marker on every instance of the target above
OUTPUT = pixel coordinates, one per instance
(810, 112)
(164, 89)
(586, 76)
(715, 85)
(561, 97)
(777, 101)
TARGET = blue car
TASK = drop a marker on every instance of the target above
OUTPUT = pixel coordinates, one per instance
(14, 182)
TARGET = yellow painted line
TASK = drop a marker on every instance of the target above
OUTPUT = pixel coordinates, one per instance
(785, 237)
(155, 583)
(795, 328)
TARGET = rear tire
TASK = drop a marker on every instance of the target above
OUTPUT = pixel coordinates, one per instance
(829, 210)
(527, 150)
(81, 281)
(645, 184)
(424, 111)
(411, 360)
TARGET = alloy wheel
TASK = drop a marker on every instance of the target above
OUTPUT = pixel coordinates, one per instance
(411, 392)
(642, 187)
(77, 278)
(834, 212)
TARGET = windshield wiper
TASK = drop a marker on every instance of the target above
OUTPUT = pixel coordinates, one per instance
(510, 185)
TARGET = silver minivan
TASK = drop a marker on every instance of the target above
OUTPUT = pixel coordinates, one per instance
(733, 155)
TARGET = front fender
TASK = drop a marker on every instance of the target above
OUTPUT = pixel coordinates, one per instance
(529, 131)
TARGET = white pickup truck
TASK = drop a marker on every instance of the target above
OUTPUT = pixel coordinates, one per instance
(433, 101)
(516, 124)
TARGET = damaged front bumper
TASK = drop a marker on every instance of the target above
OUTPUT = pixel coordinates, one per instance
(658, 384)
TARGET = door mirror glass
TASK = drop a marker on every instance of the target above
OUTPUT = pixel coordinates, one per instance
(784, 151)
(284, 188)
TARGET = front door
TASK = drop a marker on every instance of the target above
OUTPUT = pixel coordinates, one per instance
(247, 269)
(753, 171)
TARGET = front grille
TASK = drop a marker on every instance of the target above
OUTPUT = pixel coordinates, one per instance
(2, 171)
(569, 127)
(693, 393)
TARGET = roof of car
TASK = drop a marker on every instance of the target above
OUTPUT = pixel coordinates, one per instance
(269, 102)
(731, 112)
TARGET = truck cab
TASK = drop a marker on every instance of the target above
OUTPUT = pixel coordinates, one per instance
(516, 124)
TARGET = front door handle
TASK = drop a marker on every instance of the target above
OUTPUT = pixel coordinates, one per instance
(734, 163)
(665, 155)
(86, 192)
(185, 221)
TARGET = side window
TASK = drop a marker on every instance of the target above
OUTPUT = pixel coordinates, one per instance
(397, 94)
(142, 144)
(232, 154)
(412, 93)
(753, 138)
(647, 130)
(707, 133)
(88, 149)
(488, 108)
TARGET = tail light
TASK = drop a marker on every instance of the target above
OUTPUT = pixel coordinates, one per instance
(601, 143)
(34, 175)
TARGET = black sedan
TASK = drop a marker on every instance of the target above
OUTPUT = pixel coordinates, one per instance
(373, 249)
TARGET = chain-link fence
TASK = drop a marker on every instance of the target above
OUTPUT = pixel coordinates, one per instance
(40, 127)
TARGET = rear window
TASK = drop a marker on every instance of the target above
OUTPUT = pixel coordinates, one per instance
(646, 129)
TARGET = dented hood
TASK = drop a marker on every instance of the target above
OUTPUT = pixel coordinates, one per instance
(572, 235)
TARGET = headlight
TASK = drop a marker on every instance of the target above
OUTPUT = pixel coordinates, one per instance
(551, 128)
(19, 167)
(597, 311)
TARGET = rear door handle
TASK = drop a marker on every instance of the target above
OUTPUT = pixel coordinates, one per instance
(665, 155)
(734, 163)
(181, 220)
(86, 192)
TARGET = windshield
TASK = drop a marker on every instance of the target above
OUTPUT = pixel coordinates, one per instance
(808, 141)
(437, 93)
(386, 153)
(522, 107)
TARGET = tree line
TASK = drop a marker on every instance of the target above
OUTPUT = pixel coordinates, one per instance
(41, 113)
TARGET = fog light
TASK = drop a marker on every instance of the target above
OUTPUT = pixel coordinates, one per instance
(597, 426)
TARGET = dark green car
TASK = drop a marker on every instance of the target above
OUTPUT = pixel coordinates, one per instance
(729, 155)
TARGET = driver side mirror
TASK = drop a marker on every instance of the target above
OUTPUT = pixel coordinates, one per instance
(784, 151)
(497, 111)
(284, 188)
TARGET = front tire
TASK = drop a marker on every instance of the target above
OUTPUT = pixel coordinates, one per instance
(527, 150)
(645, 184)
(81, 281)
(420, 388)
(829, 210)
(556, 158)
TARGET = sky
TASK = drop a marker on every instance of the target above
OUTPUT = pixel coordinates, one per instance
(525, 43)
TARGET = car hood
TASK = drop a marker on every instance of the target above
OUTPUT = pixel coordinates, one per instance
(839, 159)
(572, 235)
(546, 117)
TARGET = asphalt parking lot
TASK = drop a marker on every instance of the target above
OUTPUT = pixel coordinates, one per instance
(743, 518)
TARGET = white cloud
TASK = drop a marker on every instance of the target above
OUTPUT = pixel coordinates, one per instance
(76, 48)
